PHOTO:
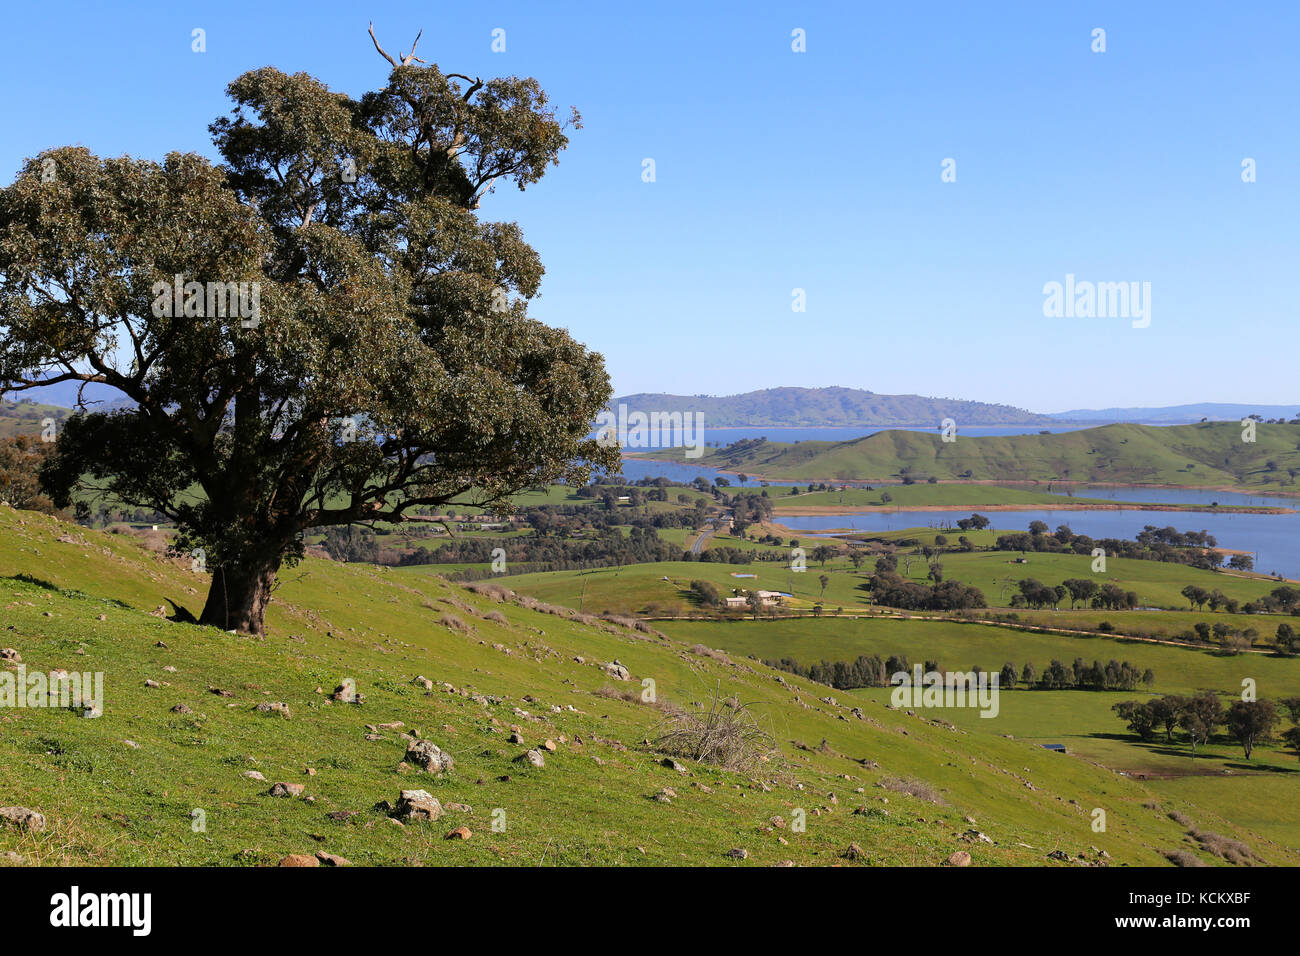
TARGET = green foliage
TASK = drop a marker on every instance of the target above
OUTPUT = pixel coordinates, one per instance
(373, 363)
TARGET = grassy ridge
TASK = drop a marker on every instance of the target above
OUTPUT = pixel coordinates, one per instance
(113, 802)
(1211, 454)
(1258, 793)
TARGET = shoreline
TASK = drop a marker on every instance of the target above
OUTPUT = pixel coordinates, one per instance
(1002, 482)
(794, 511)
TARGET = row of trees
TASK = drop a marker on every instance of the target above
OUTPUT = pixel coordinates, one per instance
(1035, 594)
(873, 671)
(1201, 716)
(893, 590)
(1192, 548)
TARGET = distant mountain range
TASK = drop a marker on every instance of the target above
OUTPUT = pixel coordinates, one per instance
(830, 406)
(1175, 414)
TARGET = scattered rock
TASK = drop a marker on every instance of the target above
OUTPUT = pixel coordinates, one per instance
(24, 818)
(254, 775)
(347, 694)
(9, 654)
(548, 746)
(672, 764)
(277, 707)
(960, 858)
(738, 853)
(426, 755)
(460, 833)
(854, 852)
(12, 858)
(299, 859)
(181, 709)
(616, 670)
(418, 805)
(533, 757)
(329, 859)
(285, 790)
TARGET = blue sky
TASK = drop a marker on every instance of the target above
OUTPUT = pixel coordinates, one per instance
(778, 170)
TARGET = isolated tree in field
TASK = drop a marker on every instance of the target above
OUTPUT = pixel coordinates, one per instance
(1292, 737)
(1200, 716)
(1286, 638)
(319, 332)
(823, 580)
(1251, 721)
(1008, 676)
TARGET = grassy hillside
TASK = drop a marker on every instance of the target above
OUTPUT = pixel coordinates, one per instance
(1204, 455)
(663, 587)
(124, 788)
(828, 407)
(27, 418)
(1259, 793)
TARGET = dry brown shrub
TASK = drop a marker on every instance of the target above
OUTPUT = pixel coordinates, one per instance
(726, 734)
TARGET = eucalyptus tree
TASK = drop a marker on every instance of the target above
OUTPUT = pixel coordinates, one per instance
(320, 330)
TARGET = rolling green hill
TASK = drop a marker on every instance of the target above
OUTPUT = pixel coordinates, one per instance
(28, 418)
(163, 776)
(1209, 455)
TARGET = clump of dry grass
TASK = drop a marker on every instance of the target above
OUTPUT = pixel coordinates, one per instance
(633, 624)
(1226, 848)
(1178, 818)
(459, 605)
(496, 617)
(491, 591)
(1183, 858)
(628, 694)
(451, 621)
(916, 788)
(726, 734)
(702, 651)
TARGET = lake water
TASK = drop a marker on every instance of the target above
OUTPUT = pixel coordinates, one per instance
(1273, 539)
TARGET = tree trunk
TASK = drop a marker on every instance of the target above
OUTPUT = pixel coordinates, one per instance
(238, 597)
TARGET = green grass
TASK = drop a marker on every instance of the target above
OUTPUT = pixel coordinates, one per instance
(640, 588)
(1219, 781)
(1207, 455)
(108, 802)
(27, 417)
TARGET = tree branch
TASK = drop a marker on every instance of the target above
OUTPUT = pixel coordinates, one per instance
(406, 59)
